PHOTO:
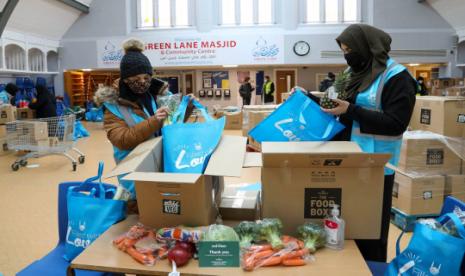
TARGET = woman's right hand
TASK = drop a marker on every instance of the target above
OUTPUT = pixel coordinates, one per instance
(162, 113)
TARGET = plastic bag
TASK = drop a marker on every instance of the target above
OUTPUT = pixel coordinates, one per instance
(292, 254)
(172, 102)
(185, 234)
(140, 243)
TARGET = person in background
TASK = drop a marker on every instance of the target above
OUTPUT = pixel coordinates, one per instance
(268, 90)
(422, 90)
(377, 112)
(43, 104)
(327, 82)
(245, 90)
(131, 113)
(7, 96)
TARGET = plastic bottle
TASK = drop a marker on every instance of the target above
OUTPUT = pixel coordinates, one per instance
(334, 227)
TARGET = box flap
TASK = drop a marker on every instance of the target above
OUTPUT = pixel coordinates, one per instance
(441, 98)
(309, 147)
(228, 158)
(175, 178)
(252, 159)
(136, 158)
(319, 154)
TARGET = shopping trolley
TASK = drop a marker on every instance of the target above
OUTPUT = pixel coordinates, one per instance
(40, 137)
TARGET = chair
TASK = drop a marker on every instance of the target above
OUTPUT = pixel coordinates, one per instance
(378, 268)
(53, 264)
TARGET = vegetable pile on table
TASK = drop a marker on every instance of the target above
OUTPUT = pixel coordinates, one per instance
(147, 246)
(263, 245)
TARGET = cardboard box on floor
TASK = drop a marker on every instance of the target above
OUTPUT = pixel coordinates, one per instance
(442, 115)
(285, 96)
(455, 186)
(171, 199)
(7, 113)
(2, 131)
(255, 117)
(427, 154)
(250, 108)
(422, 195)
(301, 180)
(25, 113)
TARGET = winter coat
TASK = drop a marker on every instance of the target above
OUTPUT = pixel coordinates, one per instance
(44, 106)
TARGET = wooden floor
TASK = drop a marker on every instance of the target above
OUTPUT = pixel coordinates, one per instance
(28, 199)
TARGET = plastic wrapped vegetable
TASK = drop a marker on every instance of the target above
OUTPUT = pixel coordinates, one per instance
(184, 234)
(139, 242)
(313, 235)
(172, 102)
(269, 230)
(247, 231)
(218, 232)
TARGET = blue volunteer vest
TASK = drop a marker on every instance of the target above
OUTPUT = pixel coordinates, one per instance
(119, 154)
(371, 99)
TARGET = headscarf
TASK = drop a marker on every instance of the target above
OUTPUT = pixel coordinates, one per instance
(371, 43)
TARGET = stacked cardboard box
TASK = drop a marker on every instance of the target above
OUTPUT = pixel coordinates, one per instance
(240, 202)
(250, 108)
(431, 160)
(3, 141)
(25, 113)
(256, 117)
(285, 96)
(7, 113)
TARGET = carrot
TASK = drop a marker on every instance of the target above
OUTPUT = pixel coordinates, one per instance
(260, 247)
(288, 240)
(119, 239)
(129, 243)
(141, 258)
(295, 254)
(269, 261)
(294, 262)
(162, 253)
(262, 254)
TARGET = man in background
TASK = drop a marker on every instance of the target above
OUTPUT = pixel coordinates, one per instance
(268, 90)
(327, 82)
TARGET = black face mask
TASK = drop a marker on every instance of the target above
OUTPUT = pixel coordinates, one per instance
(356, 61)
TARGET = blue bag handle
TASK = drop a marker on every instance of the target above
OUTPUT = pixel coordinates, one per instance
(91, 180)
(329, 127)
(181, 112)
(452, 216)
(456, 220)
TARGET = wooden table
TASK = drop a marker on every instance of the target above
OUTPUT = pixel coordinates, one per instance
(103, 256)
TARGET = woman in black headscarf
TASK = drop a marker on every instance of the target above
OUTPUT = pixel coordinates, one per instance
(381, 97)
(43, 105)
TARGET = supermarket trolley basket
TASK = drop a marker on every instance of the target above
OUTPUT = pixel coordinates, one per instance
(40, 137)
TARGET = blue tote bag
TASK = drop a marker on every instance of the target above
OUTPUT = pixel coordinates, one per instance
(297, 119)
(431, 252)
(187, 147)
(91, 211)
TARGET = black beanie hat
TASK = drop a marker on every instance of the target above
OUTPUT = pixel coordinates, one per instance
(134, 62)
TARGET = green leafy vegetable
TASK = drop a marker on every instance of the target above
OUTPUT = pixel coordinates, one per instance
(313, 235)
(269, 229)
(218, 232)
(247, 231)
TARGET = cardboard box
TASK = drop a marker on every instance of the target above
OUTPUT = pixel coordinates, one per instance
(171, 199)
(233, 119)
(442, 115)
(43, 144)
(7, 114)
(3, 147)
(437, 91)
(250, 108)
(318, 94)
(456, 91)
(422, 195)
(2, 131)
(301, 180)
(426, 154)
(455, 186)
(443, 83)
(35, 130)
(25, 113)
(53, 141)
(239, 202)
(255, 117)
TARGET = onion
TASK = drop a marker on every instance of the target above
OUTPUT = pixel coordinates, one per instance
(179, 255)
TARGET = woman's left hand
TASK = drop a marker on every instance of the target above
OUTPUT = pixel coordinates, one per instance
(340, 109)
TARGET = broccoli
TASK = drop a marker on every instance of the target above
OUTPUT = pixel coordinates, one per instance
(313, 235)
(247, 231)
(269, 229)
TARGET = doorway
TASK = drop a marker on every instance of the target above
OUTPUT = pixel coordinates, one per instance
(285, 80)
(189, 83)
